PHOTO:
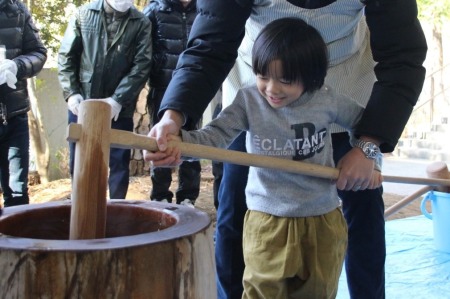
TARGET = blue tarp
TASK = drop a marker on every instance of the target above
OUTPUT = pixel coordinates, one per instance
(414, 268)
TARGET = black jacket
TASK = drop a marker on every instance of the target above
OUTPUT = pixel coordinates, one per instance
(23, 45)
(171, 25)
(397, 41)
(86, 65)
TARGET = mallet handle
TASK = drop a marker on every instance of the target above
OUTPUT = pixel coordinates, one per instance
(90, 173)
(406, 201)
(124, 139)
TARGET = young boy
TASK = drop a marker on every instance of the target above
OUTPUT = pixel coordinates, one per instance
(295, 235)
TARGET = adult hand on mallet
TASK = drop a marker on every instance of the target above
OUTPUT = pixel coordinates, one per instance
(356, 172)
(170, 123)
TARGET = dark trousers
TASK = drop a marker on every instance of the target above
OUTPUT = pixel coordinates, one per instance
(217, 171)
(189, 175)
(15, 160)
(119, 160)
(366, 252)
(363, 210)
(189, 172)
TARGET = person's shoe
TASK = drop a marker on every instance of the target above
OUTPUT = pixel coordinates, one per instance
(188, 203)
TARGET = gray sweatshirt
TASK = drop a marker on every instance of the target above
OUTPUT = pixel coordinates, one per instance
(299, 132)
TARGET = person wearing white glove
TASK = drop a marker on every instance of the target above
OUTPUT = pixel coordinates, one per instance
(22, 57)
(116, 36)
(73, 102)
(8, 72)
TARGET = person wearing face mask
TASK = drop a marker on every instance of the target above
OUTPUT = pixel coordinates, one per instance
(106, 54)
(22, 56)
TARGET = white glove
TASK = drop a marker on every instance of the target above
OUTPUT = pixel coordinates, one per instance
(8, 72)
(11, 79)
(10, 65)
(2, 78)
(74, 102)
(115, 107)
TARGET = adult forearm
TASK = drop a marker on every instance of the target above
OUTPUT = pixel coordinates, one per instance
(399, 48)
(211, 53)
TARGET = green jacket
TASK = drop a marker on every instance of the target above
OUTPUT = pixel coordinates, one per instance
(87, 67)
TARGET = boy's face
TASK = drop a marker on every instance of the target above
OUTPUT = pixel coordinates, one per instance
(277, 91)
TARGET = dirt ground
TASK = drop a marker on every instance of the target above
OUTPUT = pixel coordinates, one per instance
(139, 189)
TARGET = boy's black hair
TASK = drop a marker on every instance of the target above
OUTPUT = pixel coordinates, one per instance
(300, 48)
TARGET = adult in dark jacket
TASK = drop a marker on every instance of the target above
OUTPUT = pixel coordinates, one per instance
(171, 23)
(106, 54)
(377, 49)
(25, 58)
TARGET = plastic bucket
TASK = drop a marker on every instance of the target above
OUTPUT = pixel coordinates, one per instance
(440, 206)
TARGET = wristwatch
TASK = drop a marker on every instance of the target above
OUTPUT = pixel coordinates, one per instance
(370, 149)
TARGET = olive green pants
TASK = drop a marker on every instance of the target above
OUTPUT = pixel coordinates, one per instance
(293, 257)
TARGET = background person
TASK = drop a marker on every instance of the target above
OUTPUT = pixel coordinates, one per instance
(106, 54)
(171, 23)
(25, 56)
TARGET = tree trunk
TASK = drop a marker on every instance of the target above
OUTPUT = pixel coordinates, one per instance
(38, 139)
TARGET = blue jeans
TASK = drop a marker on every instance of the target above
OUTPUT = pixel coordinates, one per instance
(14, 160)
(230, 222)
(363, 210)
(189, 175)
(119, 160)
(217, 167)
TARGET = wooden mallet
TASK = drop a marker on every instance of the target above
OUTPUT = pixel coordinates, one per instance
(439, 170)
(90, 173)
(123, 139)
(435, 170)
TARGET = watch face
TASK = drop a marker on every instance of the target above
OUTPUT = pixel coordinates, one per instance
(371, 150)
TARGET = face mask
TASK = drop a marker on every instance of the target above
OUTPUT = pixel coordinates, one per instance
(120, 5)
